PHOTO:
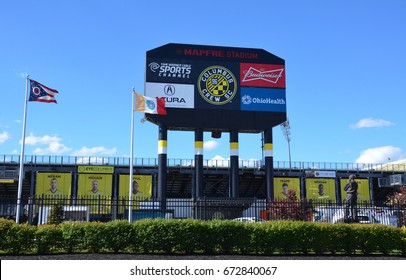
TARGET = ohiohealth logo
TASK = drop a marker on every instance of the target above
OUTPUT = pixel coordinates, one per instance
(246, 100)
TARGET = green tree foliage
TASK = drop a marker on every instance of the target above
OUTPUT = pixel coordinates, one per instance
(56, 214)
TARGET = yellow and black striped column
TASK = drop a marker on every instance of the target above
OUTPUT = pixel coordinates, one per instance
(162, 164)
(268, 154)
(197, 191)
(234, 158)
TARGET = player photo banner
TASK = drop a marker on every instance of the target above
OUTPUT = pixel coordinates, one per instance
(52, 184)
(95, 185)
(141, 187)
(363, 189)
(282, 186)
(321, 189)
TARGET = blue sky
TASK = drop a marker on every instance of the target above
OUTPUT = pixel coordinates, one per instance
(345, 74)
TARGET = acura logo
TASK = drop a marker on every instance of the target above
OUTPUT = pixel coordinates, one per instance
(169, 90)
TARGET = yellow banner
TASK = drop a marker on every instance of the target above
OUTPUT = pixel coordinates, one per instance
(96, 169)
(363, 189)
(6, 181)
(95, 184)
(283, 185)
(53, 183)
(321, 189)
(141, 187)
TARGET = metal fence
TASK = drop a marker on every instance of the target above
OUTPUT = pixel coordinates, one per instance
(34, 160)
(37, 210)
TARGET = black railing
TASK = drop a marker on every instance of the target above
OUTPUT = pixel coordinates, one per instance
(37, 210)
(7, 160)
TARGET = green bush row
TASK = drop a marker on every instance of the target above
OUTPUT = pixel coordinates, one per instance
(201, 237)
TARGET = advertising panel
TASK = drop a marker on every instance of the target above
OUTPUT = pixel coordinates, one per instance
(95, 185)
(176, 95)
(320, 189)
(263, 99)
(262, 75)
(168, 71)
(96, 169)
(320, 173)
(283, 185)
(363, 189)
(56, 183)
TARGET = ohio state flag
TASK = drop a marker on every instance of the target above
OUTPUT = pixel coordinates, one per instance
(41, 93)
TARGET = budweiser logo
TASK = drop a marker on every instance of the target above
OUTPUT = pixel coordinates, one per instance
(271, 76)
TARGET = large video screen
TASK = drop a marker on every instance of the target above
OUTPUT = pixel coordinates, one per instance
(217, 88)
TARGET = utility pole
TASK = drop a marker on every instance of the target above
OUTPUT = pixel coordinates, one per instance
(285, 126)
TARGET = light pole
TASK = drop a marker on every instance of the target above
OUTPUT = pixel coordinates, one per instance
(285, 126)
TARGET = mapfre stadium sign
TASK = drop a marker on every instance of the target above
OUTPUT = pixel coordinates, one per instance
(216, 88)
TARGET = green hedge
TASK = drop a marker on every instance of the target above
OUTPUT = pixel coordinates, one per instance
(201, 237)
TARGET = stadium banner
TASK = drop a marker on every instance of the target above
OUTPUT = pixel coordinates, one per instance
(95, 185)
(141, 190)
(363, 189)
(56, 183)
(320, 189)
(6, 181)
(96, 169)
(285, 184)
(142, 186)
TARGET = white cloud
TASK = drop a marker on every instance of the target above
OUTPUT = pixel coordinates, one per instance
(46, 140)
(210, 145)
(54, 148)
(370, 122)
(85, 151)
(218, 161)
(22, 74)
(4, 136)
(53, 143)
(381, 155)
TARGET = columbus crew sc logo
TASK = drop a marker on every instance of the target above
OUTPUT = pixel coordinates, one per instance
(217, 85)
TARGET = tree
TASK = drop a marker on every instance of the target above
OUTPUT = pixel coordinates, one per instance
(397, 200)
(56, 214)
(289, 208)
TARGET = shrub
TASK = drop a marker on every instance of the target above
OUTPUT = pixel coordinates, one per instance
(48, 237)
(72, 235)
(94, 239)
(117, 235)
(20, 239)
(5, 226)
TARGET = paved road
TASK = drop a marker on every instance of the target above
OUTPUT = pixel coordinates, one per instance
(194, 257)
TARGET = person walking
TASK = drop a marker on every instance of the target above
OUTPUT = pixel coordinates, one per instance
(351, 200)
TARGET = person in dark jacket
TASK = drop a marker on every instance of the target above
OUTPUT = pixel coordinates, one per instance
(351, 200)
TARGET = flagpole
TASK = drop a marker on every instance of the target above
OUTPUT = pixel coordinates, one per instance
(21, 172)
(131, 159)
